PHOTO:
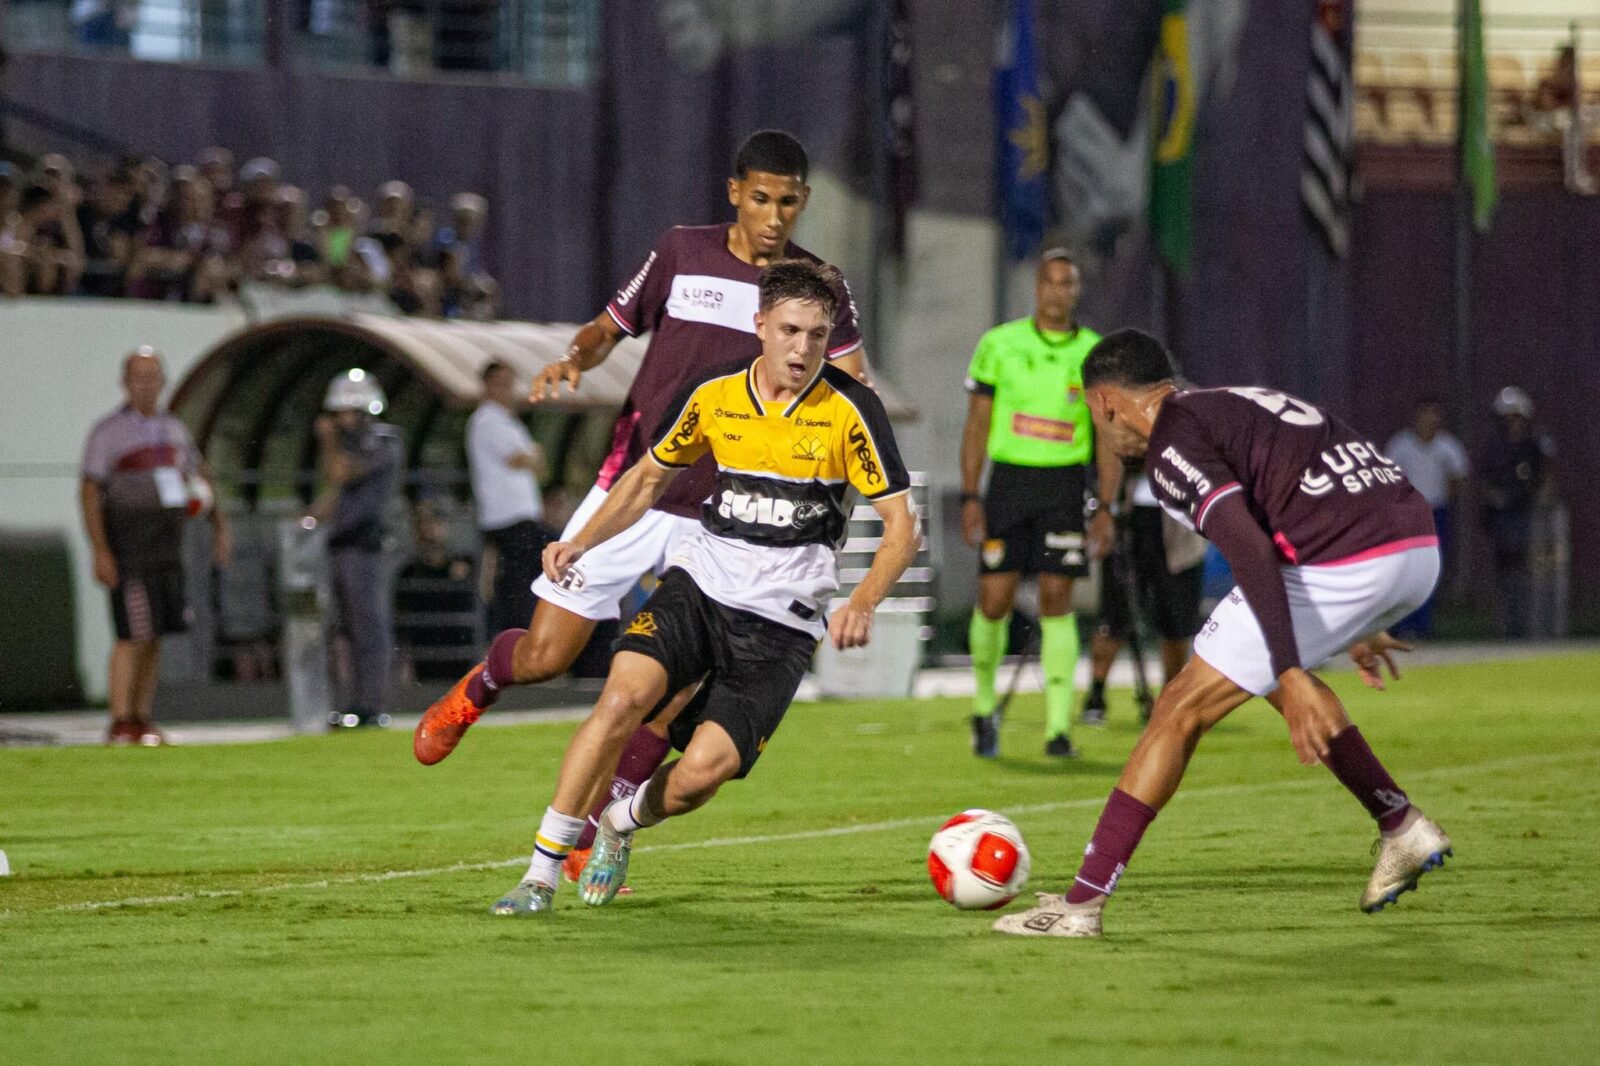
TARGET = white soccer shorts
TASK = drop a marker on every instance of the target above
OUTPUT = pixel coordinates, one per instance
(1332, 606)
(594, 587)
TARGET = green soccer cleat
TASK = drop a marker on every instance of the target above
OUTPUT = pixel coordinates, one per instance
(529, 897)
(607, 867)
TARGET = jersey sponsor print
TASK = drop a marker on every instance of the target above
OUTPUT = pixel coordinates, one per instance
(783, 470)
(698, 302)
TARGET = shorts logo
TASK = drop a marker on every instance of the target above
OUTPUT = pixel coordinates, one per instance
(994, 553)
(761, 745)
(573, 580)
(869, 465)
(810, 448)
(1063, 541)
(683, 436)
(643, 625)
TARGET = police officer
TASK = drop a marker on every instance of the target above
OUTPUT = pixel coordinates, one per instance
(1026, 415)
(362, 461)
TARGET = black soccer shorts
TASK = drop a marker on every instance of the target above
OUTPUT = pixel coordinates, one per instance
(752, 666)
(1034, 521)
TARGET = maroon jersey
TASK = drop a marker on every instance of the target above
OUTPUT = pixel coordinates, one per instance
(698, 301)
(1270, 479)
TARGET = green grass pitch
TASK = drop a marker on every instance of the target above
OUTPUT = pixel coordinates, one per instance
(325, 900)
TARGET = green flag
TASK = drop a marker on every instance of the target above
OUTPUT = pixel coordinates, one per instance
(1477, 147)
(1172, 107)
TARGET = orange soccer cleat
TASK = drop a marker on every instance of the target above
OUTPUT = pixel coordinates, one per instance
(573, 864)
(446, 722)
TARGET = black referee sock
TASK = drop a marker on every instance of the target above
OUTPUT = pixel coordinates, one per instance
(1097, 693)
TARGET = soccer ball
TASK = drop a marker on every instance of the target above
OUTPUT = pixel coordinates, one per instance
(977, 861)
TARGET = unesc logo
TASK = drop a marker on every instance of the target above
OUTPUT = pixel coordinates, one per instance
(683, 436)
(869, 465)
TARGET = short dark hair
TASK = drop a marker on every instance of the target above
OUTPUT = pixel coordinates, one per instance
(798, 279)
(494, 365)
(1130, 358)
(771, 152)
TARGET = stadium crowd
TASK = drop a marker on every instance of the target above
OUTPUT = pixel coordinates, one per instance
(196, 232)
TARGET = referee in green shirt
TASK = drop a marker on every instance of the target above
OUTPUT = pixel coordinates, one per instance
(1026, 414)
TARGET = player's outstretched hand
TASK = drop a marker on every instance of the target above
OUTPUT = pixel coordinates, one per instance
(1371, 655)
(559, 557)
(547, 382)
(851, 625)
(1313, 713)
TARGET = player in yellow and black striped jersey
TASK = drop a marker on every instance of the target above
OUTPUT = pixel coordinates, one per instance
(744, 600)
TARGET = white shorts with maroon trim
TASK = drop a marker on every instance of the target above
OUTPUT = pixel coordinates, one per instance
(593, 588)
(1332, 604)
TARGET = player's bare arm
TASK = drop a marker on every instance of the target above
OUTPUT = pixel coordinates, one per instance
(1111, 474)
(626, 503)
(589, 348)
(974, 441)
(851, 625)
(94, 523)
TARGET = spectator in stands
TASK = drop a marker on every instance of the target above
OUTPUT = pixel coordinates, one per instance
(216, 167)
(251, 213)
(433, 585)
(1515, 471)
(1436, 464)
(142, 476)
(468, 213)
(335, 230)
(13, 246)
(299, 241)
(183, 254)
(104, 25)
(363, 459)
(109, 221)
(1558, 89)
(395, 212)
(52, 247)
(506, 466)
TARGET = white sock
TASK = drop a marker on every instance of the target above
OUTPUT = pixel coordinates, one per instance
(631, 813)
(557, 833)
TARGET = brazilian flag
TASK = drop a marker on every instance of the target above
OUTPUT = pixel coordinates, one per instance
(1172, 114)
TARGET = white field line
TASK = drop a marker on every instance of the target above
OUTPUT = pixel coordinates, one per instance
(925, 821)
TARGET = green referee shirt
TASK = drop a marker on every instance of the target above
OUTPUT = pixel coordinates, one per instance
(1036, 379)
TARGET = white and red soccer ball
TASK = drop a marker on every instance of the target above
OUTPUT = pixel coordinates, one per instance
(977, 861)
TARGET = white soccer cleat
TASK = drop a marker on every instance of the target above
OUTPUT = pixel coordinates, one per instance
(1054, 916)
(1403, 857)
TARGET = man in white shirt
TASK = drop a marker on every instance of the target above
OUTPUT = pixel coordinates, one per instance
(506, 465)
(1436, 465)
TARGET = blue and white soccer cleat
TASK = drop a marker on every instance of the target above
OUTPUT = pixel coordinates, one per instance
(1403, 858)
(607, 868)
(529, 897)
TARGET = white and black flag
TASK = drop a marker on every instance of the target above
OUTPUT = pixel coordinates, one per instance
(1325, 174)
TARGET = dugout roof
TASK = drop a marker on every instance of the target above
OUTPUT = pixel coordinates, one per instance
(252, 399)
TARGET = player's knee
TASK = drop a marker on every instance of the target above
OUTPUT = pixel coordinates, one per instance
(535, 661)
(620, 709)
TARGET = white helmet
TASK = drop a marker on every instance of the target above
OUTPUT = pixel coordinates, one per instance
(1512, 401)
(355, 390)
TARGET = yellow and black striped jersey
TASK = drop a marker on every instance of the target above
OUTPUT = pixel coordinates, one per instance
(783, 468)
(778, 507)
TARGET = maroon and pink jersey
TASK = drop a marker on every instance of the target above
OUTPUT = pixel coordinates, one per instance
(1271, 479)
(698, 302)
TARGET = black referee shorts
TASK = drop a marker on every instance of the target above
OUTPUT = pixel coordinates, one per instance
(1034, 521)
(752, 666)
(1170, 602)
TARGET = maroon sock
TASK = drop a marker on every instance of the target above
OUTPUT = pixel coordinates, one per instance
(1121, 825)
(497, 671)
(1357, 769)
(645, 752)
